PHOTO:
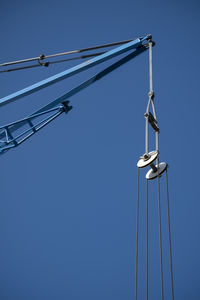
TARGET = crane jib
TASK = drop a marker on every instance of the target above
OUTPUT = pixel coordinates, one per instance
(74, 70)
(13, 127)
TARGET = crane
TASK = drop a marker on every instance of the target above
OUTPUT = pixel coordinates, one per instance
(15, 133)
(33, 123)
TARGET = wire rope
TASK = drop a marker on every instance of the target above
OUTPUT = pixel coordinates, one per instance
(160, 235)
(42, 56)
(46, 64)
(169, 229)
(147, 238)
(137, 226)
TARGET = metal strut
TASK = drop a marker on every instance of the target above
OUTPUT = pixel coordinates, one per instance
(12, 138)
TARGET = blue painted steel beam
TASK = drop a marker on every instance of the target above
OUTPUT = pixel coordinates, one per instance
(13, 140)
(92, 80)
(83, 85)
(29, 118)
(74, 70)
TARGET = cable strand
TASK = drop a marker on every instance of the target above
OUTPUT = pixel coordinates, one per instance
(46, 64)
(137, 226)
(147, 238)
(160, 235)
(169, 229)
(41, 57)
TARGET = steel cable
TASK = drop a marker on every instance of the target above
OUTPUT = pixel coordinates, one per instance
(137, 225)
(147, 238)
(169, 229)
(160, 235)
(42, 56)
(46, 64)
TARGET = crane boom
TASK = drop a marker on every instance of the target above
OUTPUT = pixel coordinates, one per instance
(9, 133)
(74, 70)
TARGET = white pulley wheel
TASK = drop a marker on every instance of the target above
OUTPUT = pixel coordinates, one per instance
(160, 169)
(144, 162)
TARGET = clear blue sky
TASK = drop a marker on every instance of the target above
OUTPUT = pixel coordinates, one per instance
(68, 195)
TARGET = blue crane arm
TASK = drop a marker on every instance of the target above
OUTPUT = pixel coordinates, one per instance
(16, 125)
(74, 70)
(10, 136)
(92, 79)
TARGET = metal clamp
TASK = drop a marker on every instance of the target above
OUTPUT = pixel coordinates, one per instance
(45, 64)
(152, 121)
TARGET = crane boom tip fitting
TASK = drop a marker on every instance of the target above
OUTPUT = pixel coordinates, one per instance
(149, 37)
